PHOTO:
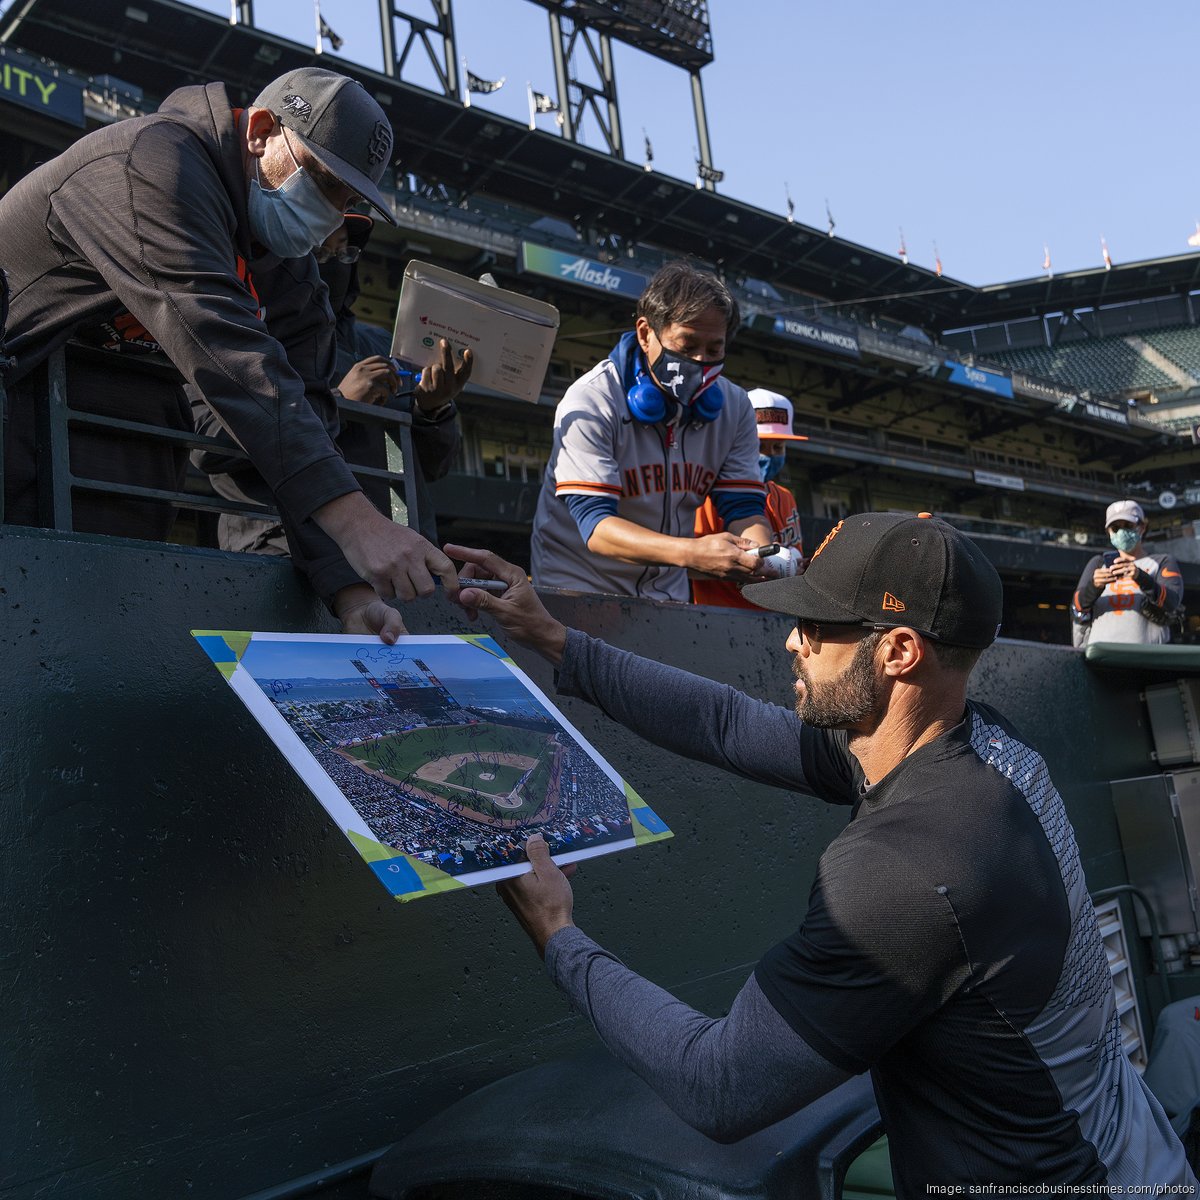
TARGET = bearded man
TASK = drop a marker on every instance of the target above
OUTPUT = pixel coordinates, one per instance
(950, 946)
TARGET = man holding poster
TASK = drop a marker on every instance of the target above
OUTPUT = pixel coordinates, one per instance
(950, 946)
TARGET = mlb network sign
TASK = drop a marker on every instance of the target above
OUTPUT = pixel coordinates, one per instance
(570, 268)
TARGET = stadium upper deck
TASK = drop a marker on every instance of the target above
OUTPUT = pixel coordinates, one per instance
(909, 395)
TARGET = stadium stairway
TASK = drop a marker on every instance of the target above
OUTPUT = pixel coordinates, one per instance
(1151, 360)
(1156, 358)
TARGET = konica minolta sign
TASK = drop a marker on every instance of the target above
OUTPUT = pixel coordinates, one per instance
(796, 328)
(586, 272)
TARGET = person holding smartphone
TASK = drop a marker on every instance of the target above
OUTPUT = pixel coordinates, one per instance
(1126, 594)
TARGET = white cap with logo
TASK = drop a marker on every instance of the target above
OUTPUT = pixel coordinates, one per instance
(1124, 510)
(774, 415)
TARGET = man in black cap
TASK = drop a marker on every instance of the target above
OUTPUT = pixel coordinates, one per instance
(949, 947)
(189, 231)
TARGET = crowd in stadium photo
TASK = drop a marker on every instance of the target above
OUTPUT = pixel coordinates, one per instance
(589, 811)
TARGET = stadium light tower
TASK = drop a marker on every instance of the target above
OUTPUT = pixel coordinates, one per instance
(435, 37)
(581, 36)
(676, 31)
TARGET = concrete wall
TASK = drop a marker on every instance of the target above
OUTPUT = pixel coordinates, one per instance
(204, 990)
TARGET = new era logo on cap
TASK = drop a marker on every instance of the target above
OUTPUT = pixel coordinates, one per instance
(891, 604)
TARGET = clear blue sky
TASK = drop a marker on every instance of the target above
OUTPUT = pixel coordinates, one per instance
(332, 660)
(990, 129)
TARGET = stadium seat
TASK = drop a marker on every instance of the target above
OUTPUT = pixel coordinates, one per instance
(1181, 344)
(1101, 365)
(587, 1126)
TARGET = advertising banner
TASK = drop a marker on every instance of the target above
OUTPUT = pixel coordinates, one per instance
(1043, 389)
(1101, 412)
(811, 333)
(31, 84)
(586, 272)
(980, 379)
(1014, 483)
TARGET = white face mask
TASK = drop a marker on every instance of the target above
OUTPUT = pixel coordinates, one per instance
(293, 218)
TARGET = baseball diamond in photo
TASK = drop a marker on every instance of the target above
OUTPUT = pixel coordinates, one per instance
(436, 756)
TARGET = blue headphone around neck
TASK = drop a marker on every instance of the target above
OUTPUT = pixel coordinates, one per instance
(648, 403)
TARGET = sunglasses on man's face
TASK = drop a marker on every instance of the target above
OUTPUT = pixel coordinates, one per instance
(816, 632)
(830, 631)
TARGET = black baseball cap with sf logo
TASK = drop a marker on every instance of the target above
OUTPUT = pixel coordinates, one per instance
(894, 569)
(340, 124)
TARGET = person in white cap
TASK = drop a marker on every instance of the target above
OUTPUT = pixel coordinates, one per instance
(1126, 594)
(773, 414)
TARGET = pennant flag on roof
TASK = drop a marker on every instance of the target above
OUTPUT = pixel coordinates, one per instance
(540, 104)
(325, 32)
(484, 86)
(1104, 251)
(1194, 240)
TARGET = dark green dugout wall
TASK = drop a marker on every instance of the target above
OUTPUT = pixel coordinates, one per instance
(204, 991)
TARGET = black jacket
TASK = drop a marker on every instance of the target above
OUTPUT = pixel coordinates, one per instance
(148, 216)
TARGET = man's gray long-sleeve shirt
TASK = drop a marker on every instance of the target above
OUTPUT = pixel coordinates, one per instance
(725, 1076)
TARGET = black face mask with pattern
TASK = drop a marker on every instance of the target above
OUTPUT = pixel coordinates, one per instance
(683, 378)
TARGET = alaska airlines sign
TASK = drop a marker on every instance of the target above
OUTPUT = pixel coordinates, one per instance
(33, 85)
(573, 268)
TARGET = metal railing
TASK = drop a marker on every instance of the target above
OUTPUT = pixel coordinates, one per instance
(58, 483)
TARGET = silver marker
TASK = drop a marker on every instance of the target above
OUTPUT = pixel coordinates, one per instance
(497, 587)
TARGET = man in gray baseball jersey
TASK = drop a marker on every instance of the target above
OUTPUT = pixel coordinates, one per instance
(640, 441)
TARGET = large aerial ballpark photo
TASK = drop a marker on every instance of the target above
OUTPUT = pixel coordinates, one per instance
(437, 756)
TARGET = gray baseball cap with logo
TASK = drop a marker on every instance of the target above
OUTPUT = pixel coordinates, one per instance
(340, 124)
